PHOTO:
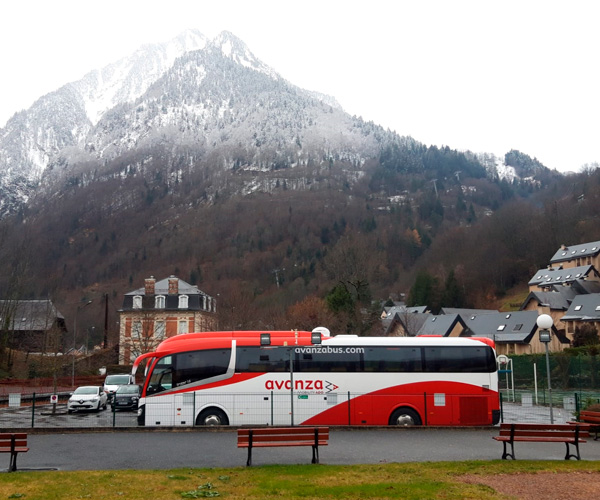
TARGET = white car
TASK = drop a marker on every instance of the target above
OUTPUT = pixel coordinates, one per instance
(113, 382)
(87, 397)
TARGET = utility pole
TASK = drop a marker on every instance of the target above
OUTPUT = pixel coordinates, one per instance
(105, 320)
(435, 187)
(79, 308)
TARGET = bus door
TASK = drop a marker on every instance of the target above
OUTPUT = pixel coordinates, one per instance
(264, 398)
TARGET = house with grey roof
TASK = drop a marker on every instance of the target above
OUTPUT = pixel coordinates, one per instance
(162, 309)
(545, 279)
(554, 302)
(32, 325)
(577, 255)
(513, 332)
(404, 324)
(443, 325)
(584, 309)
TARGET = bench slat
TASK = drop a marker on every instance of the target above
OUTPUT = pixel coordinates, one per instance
(297, 431)
(589, 416)
(290, 443)
(556, 434)
(280, 437)
(539, 439)
(18, 442)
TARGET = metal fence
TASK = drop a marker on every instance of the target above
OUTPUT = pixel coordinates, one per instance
(527, 395)
(527, 406)
(37, 411)
(569, 371)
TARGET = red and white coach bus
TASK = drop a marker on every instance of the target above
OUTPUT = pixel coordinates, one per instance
(310, 378)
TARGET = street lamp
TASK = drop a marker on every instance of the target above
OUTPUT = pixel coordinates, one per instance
(79, 307)
(545, 323)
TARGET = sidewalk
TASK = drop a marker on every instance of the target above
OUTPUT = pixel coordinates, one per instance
(515, 412)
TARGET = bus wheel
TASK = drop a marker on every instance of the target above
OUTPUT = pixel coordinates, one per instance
(405, 417)
(212, 416)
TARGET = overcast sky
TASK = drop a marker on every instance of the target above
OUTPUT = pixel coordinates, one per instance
(488, 76)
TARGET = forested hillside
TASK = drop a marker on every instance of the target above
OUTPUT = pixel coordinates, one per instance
(308, 247)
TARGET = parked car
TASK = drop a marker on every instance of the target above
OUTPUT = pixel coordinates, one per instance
(112, 382)
(126, 397)
(87, 397)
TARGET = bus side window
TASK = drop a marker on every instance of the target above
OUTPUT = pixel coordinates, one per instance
(199, 365)
(262, 359)
(393, 359)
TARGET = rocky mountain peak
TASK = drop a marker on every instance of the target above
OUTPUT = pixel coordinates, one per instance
(236, 50)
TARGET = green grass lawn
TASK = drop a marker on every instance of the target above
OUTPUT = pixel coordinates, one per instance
(418, 481)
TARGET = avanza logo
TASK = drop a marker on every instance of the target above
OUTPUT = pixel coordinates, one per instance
(300, 385)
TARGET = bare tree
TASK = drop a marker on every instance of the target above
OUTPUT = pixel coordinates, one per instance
(146, 333)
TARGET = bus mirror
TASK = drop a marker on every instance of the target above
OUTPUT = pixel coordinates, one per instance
(265, 339)
(315, 337)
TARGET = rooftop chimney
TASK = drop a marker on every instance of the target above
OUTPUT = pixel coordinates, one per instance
(173, 285)
(149, 285)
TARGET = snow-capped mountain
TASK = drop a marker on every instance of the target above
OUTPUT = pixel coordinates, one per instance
(223, 99)
(63, 118)
(218, 108)
(128, 78)
(191, 93)
(186, 108)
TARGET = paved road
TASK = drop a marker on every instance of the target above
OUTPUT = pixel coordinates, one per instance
(198, 448)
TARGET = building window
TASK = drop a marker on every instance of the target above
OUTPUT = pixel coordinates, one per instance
(159, 302)
(135, 352)
(183, 302)
(159, 330)
(136, 330)
(137, 301)
(183, 327)
(501, 328)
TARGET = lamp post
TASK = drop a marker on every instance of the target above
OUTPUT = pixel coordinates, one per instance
(545, 323)
(79, 307)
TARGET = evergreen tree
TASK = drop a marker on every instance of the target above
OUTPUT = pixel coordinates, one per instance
(424, 292)
(340, 299)
(453, 294)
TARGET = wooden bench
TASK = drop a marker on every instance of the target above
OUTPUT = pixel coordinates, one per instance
(13, 443)
(592, 418)
(544, 433)
(283, 436)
